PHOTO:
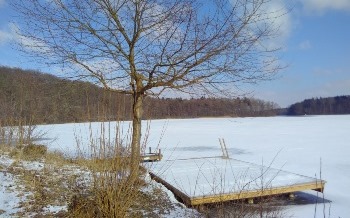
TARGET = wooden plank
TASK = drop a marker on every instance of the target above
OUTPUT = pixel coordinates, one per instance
(257, 193)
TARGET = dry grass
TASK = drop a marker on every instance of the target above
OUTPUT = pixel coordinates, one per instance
(62, 182)
(97, 186)
(34, 152)
(44, 184)
(17, 132)
(112, 192)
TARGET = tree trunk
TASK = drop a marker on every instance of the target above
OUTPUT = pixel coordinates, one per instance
(136, 134)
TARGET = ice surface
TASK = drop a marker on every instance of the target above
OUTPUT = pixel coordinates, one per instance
(302, 145)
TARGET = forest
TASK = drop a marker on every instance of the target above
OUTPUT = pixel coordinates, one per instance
(43, 98)
(321, 106)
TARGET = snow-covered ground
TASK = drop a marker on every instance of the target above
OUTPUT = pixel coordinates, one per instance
(304, 145)
(9, 199)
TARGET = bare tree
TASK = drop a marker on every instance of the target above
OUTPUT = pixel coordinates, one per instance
(146, 47)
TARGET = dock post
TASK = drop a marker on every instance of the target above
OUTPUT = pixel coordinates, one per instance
(224, 143)
(223, 148)
(150, 150)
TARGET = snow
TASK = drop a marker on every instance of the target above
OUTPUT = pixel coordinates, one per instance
(314, 146)
(9, 200)
(179, 209)
(55, 209)
(213, 176)
(32, 165)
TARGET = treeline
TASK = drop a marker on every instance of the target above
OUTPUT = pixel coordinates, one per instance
(43, 98)
(321, 106)
(208, 107)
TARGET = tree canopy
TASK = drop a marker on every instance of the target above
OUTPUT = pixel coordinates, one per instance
(146, 47)
(150, 46)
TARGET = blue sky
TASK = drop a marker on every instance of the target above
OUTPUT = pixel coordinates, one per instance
(315, 37)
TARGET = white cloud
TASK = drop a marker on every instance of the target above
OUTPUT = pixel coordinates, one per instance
(7, 34)
(305, 45)
(4, 37)
(282, 19)
(284, 16)
(105, 66)
(276, 15)
(324, 5)
(165, 27)
(12, 33)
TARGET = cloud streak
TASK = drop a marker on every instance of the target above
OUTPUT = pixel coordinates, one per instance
(13, 34)
(7, 34)
(275, 14)
(325, 5)
(4, 37)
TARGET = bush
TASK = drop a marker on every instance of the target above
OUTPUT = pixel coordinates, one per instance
(34, 152)
(83, 206)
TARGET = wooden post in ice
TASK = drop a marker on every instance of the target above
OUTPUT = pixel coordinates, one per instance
(159, 154)
(223, 148)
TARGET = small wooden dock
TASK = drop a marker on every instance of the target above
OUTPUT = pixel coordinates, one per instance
(211, 180)
(151, 156)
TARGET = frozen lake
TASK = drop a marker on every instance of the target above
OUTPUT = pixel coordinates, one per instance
(301, 145)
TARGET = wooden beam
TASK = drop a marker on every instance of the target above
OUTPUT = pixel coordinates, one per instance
(185, 199)
(257, 193)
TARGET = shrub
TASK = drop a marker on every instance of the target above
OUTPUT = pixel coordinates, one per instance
(83, 206)
(34, 152)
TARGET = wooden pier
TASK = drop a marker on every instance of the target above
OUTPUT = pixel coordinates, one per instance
(152, 156)
(211, 180)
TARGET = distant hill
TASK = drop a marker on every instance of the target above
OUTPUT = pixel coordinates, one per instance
(321, 106)
(43, 98)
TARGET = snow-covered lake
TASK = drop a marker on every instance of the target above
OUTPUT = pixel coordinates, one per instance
(302, 145)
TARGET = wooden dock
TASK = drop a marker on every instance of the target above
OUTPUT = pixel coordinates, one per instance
(151, 156)
(211, 180)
